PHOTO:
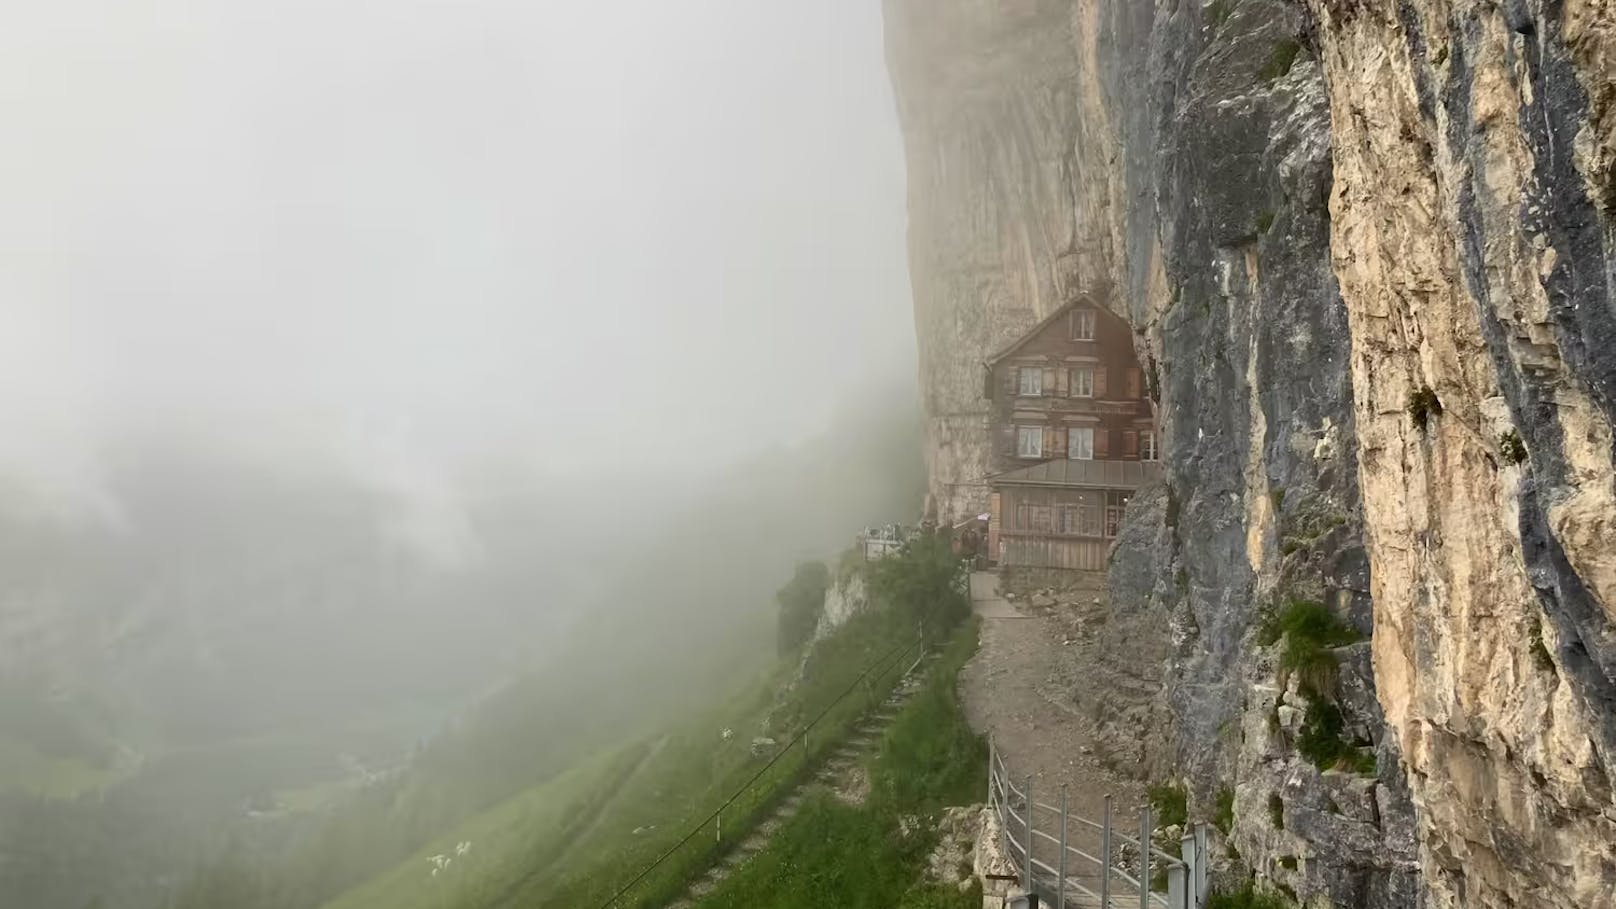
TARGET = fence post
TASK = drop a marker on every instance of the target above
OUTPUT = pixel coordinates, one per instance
(1060, 899)
(1176, 897)
(1026, 876)
(1198, 882)
(992, 763)
(1146, 828)
(1191, 853)
(1105, 855)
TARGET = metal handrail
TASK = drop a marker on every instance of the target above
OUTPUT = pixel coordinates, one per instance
(1186, 874)
(1134, 840)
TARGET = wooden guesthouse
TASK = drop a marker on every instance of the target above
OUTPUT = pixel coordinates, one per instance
(1074, 435)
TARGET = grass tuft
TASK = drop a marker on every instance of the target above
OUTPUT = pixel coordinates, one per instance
(1309, 629)
(1170, 803)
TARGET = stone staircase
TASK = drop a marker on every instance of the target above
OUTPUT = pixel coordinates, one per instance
(845, 762)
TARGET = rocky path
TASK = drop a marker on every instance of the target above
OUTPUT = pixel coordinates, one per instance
(1019, 689)
(843, 774)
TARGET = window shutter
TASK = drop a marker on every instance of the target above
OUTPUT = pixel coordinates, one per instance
(1049, 440)
(1054, 441)
(1063, 387)
(1130, 443)
(1007, 441)
(1049, 381)
(1102, 443)
(1013, 380)
(1099, 381)
(1133, 384)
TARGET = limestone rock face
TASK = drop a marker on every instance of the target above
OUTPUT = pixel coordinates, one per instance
(1366, 248)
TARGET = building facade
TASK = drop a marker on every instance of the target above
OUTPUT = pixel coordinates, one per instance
(1070, 388)
(1074, 435)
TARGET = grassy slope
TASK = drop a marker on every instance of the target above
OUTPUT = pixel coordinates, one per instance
(833, 854)
(524, 851)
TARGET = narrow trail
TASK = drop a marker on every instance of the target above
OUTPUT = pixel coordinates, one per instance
(1018, 688)
(843, 775)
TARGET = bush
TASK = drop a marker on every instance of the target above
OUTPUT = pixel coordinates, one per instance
(1423, 404)
(1511, 447)
(802, 602)
(924, 582)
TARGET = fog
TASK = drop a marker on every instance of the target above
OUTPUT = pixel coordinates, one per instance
(362, 364)
(570, 235)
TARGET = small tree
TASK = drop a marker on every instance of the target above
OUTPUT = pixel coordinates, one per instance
(802, 602)
(923, 582)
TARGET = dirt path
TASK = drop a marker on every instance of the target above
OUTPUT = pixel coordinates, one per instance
(1017, 690)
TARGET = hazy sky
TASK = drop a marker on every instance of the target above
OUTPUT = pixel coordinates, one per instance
(567, 231)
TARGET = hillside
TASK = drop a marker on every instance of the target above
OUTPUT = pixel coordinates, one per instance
(441, 691)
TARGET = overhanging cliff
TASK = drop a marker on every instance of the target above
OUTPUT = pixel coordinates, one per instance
(1366, 249)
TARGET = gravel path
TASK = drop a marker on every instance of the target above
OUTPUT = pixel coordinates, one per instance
(1016, 689)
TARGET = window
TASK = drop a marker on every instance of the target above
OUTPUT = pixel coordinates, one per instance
(1089, 520)
(1134, 391)
(1070, 516)
(1147, 445)
(1032, 382)
(1115, 505)
(1083, 382)
(1035, 518)
(1113, 521)
(1082, 324)
(1042, 519)
(1029, 441)
(1080, 446)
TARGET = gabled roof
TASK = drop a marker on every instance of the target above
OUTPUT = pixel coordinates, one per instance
(1086, 474)
(1087, 299)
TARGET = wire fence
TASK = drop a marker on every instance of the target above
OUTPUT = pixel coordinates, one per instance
(867, 685)
(1062, 874)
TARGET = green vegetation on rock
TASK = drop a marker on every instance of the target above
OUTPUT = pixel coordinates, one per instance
(1309, 629)
(1423, 404)
(1170, 803)
(1248, 896)
(802, 602)
(1224, 818)
(866, 856)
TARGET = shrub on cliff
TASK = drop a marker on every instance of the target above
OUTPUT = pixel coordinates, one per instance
(925, 583)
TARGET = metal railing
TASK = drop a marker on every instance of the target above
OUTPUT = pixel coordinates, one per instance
(1086, 879)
